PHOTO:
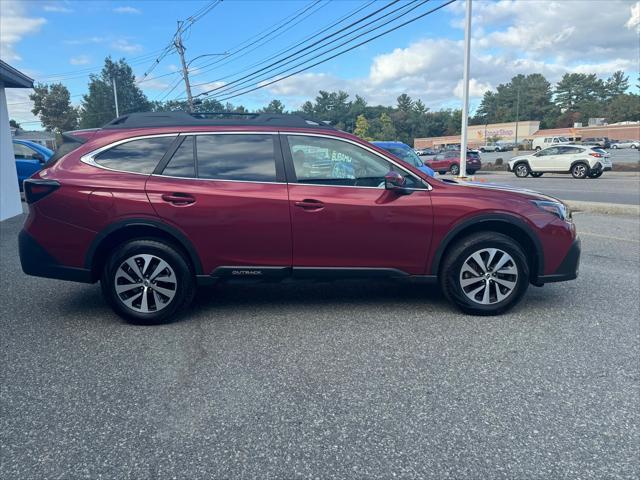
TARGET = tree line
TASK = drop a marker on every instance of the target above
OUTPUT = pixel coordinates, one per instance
(576, 98)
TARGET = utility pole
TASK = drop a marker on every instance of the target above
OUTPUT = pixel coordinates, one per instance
(517, 114)
(115, 95)
(465, 91)
(185, 71)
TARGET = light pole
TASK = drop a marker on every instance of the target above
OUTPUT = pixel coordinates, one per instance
(465, 91)
(115, 95)
(517, 115)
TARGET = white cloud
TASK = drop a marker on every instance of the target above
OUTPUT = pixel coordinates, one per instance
(124, 46)
(57, 9)
(19, 106)
(14, 25)
(153, 83)
(634, 19)
(476, 88)
(82, 41)
(80, 60)
(128, 10)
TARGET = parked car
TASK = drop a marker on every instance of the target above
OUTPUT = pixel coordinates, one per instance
(625, 144)
(426, 152)
(152, 205)
(449, 161)
(406, 153)
(543, 142)
(579, 160)
(30, 157)
(602, 142)
(493, 147)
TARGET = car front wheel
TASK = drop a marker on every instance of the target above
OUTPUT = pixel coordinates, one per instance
(454, 169)
(147, 281)
(485, 274)
(521, 170)
(580, 170)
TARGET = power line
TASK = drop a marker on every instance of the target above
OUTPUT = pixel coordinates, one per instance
(263, 85)
(296, 55)
(300, 42)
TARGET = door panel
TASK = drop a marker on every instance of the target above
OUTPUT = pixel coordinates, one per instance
(240, 218)
(229, 223)
(341, 214)
(360, 227)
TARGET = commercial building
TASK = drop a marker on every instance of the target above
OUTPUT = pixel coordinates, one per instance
(528, 130)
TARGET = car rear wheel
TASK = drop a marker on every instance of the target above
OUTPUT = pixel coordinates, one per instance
(615, 147)
(147, 281)
(471, 172)
(485, 274)
(521, 170)
(454, 169)
(580, 170)
(537, 174)
(596, 174)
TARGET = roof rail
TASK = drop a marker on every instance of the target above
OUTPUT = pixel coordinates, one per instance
(181, 118)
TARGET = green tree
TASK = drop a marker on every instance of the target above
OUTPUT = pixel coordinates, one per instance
(575, 90)
(405, 103)
(98, 106)
(616, 84)
(625, 107)
(362, 128)
(387, 129)
(52, 105)
(14, 124)
(275, 106)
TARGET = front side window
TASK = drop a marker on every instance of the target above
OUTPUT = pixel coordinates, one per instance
(236, 157)
(325, 161)
(138, 156)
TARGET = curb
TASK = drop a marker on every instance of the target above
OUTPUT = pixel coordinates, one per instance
(603, 208)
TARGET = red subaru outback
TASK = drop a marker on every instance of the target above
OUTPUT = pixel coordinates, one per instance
(154, 204)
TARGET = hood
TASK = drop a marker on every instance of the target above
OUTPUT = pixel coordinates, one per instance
(525, 193)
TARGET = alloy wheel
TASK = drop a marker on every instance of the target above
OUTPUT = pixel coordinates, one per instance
(488, 276)
(145, 283)
(522, 170)
(580, 171)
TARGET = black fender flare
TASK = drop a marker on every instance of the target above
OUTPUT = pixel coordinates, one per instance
(180, 238)
(486, 218)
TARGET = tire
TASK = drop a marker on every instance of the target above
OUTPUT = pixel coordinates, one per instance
(634, 147)
(521, 170)
(615, 147)
(537, 149)
(441, 172)
(580, 170)
(171, 291)
(596, 174)
(537, 174)
(471, 172)
(454, 169)
(483, 150)
(459, 267)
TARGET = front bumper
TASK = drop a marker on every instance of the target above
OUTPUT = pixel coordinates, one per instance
(36, 261)
(568, 269)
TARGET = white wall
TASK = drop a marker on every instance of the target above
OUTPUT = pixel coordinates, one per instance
(10, 204)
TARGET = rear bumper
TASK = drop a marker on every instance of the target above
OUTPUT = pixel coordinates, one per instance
(568, 269)
(37, 262)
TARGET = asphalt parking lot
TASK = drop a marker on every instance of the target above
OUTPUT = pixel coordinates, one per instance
(327, 380)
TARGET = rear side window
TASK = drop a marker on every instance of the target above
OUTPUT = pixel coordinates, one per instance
(236, 157)
(182, 164)
(137, 156)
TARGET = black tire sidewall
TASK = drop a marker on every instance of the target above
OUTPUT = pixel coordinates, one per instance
(450, 272)
(595, 174)
(165, 251)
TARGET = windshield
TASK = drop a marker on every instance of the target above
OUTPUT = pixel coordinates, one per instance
(407, 155)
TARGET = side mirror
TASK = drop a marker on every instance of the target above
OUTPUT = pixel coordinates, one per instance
(396, 182)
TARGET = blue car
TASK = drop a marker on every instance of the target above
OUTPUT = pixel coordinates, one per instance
(406, 153)
(30, 158)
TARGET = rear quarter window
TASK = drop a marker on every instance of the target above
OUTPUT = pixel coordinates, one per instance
(137, 156)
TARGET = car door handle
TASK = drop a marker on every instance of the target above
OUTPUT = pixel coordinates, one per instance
(310, 204)
(178, 198)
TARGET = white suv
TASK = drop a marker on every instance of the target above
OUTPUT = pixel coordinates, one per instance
(581, 161)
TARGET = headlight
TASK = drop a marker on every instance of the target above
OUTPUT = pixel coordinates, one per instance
(558, 209)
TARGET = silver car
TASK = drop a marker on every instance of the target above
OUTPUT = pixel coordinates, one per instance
(626, 144)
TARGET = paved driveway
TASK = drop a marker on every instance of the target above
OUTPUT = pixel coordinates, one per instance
(341, 380)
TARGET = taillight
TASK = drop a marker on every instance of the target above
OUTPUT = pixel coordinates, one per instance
(597, 155)
(36, 189)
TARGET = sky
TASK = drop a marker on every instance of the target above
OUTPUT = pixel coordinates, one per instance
(65, 41)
